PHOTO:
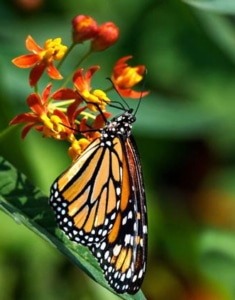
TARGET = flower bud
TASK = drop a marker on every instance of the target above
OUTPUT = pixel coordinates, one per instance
(107, 35)
(84, 28)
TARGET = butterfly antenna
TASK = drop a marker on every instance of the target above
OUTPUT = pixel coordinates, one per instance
(119, 95)
(141, 93)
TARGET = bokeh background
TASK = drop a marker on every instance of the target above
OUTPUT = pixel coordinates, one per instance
(185, 131)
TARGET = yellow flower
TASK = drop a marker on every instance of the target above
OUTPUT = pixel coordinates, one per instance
(41, 59)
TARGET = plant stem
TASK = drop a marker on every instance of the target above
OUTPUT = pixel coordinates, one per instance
(78, 64)
(65, 56)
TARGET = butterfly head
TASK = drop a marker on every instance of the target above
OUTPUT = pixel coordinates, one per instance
(121, 125)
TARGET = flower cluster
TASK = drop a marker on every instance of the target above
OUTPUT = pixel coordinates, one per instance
(65, 112)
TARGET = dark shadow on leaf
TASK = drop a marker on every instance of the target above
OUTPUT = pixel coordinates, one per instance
(21, 193)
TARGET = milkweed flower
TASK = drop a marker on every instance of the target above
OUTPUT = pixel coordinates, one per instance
(77, 147)
(125, 78)
(106, 36)
(41, 59)
(82, 84)
(84, 28)
(83, 91)
(89, 132)
(45, 118)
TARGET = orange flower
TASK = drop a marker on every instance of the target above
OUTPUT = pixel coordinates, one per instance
(77, 147)
(41, 59)
(83, 91)
(107, 35)
(84, 28)
(125, 77)
(92, 132)
(89, 132)
(52, 122)
(83, 86)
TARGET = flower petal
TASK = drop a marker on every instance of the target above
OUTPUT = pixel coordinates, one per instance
(64, 94)
(100, 120)
(129, 93)
(79, 80)
(88, 131)
(26, 129)
(83, 82)
(106, 36)
(46, 93)
(83, 127)
(90, 72)
(26, 61)
(53, 72)
(36, 73)
(24, 118)
(120, 65)
(72, 112)
(62, 116)
(34, 102)
(32, 46)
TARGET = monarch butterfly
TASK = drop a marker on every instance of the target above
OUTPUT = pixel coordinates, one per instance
(100, 202)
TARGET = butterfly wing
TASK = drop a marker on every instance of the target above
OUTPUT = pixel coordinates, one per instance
(85, 198)
(122, 254)
(100, 202)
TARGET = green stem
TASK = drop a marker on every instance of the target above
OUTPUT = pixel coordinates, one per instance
(65, 56)
(78, 64)
(6, 131)
(63, 103)
(89, 115)
(36, 89)
(83, 58)
(108, 89)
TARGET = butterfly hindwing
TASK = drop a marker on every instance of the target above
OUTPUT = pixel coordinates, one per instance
(122, 254)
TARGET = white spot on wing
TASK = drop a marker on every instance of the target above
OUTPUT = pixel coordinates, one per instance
(103, 245)
(145, 229)
(127, 238)
(116, 250)
(124, 220)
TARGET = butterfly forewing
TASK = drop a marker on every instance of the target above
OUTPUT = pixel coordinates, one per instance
(100, 202)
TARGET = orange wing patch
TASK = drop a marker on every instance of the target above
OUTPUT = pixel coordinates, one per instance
(101, 211)
(80, 219)
(127, 262)
(121, 258)
(112, 197)
(125, 189)
(90, 219)
(72, 171)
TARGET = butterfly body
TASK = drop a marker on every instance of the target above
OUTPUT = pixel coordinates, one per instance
(100, 202)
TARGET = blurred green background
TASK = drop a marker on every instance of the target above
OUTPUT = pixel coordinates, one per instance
(185, 131)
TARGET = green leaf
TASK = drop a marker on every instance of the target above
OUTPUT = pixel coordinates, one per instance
(217, 256)
(221, 30)
(221, 6)
(27, 205)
